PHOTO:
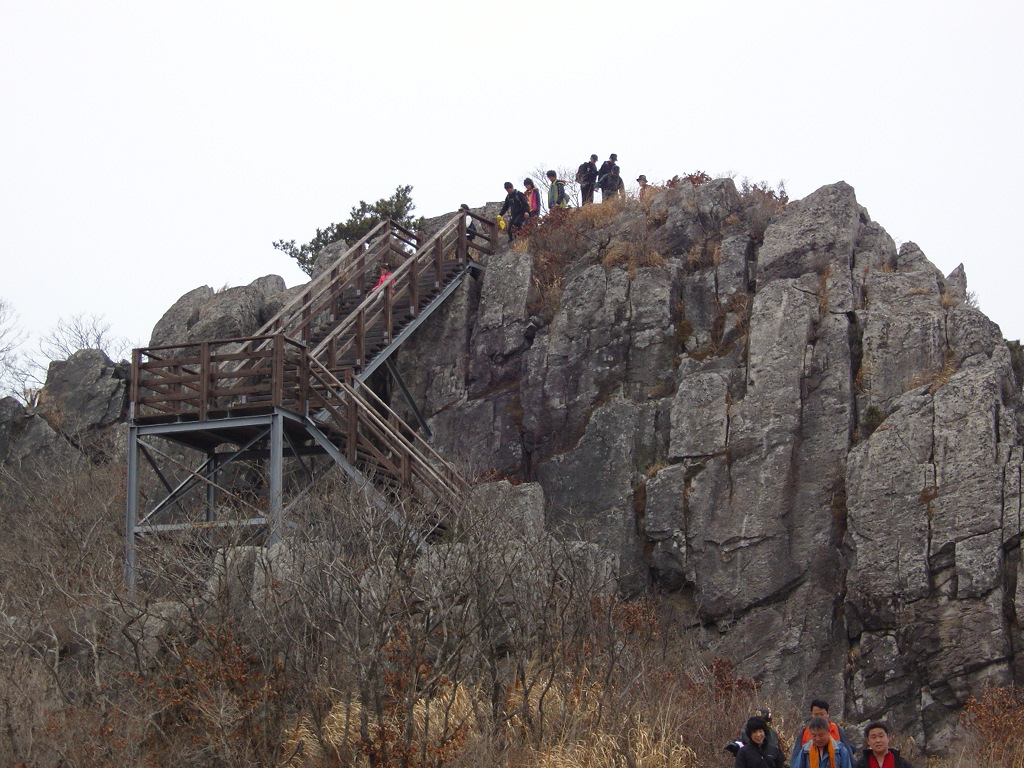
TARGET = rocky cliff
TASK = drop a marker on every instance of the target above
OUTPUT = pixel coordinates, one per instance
(807, 441)
(810, 441)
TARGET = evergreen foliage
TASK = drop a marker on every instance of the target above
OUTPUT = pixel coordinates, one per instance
(362, 219)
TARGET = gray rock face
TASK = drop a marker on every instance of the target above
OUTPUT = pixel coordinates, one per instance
(12, 421)
(814, 439)
(812, 436)
(85, 392)
(203, 314)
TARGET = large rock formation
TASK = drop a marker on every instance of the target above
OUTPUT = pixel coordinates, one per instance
(813, 438)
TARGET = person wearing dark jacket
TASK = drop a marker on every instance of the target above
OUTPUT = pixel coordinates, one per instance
(518, 208)
(605, 173)
(757, 752)
(771, 735)
(612, 184)
(586, 177)
(877, 753)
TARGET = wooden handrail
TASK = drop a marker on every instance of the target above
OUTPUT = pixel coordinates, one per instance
(271, 368)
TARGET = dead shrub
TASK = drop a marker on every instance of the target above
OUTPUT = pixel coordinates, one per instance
(996, 721)
(761, 203)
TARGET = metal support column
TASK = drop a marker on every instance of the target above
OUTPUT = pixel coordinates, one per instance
(212, 468)
(276, 485)
(132, 507)
(389, 364)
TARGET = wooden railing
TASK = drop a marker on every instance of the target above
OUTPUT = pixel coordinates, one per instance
(376, 438)
(349, 276)
(421, 276)
(206, 378)
(199, 381)
(276, 367)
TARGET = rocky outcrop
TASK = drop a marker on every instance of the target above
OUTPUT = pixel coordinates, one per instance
(809, 438)
(764, 407)
(204, 314)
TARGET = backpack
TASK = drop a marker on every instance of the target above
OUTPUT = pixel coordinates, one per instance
(581, 173)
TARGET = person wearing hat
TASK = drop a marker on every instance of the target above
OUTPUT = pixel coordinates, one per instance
(613, 185)
(604, 176)
(757, 752)
(586, 177)
(645, 188)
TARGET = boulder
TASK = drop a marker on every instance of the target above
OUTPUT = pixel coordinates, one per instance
(85, 392)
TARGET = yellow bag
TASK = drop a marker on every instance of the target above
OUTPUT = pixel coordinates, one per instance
(501, 223)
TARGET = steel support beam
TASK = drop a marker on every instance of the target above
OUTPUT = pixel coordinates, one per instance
(427, 431)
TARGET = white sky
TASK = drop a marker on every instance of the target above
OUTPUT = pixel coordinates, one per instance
(147, 148)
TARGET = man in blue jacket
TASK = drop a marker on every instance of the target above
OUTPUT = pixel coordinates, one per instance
(821, 750)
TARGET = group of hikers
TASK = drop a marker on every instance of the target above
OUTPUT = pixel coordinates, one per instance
(821, 744)
(524, 206)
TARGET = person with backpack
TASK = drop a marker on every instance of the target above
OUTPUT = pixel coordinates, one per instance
(586, 177)
(605, 173)
(518, 207)
(613, 185)
(532, 197)
(557, 198)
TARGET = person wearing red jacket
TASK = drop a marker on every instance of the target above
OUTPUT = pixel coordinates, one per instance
(877, 754)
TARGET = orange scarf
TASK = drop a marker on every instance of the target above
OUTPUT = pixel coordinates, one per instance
(831, 754)
(833, 731)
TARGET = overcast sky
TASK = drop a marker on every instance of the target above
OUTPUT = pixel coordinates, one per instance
(147, 148)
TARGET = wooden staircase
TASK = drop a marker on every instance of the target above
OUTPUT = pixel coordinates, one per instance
(299, 382)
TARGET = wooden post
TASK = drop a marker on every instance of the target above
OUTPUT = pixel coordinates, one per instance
(205, 378)
(414, 286)
(277, 374)
(462, 247)
(438, 262)
(136, 380)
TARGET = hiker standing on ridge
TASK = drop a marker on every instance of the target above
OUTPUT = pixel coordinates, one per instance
(645, 188)
(877, 753)
(586, 177)
(518, 208)
(605, 173)
(532, 197)
(556, 192)
(613, 185)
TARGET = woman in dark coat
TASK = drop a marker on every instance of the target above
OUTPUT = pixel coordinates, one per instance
(758, 753)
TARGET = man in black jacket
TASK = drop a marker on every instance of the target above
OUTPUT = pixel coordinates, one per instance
(518, 208)
(877, 753)
(604, 175)
(586, 177)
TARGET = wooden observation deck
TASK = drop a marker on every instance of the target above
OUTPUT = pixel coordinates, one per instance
(296, 390)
